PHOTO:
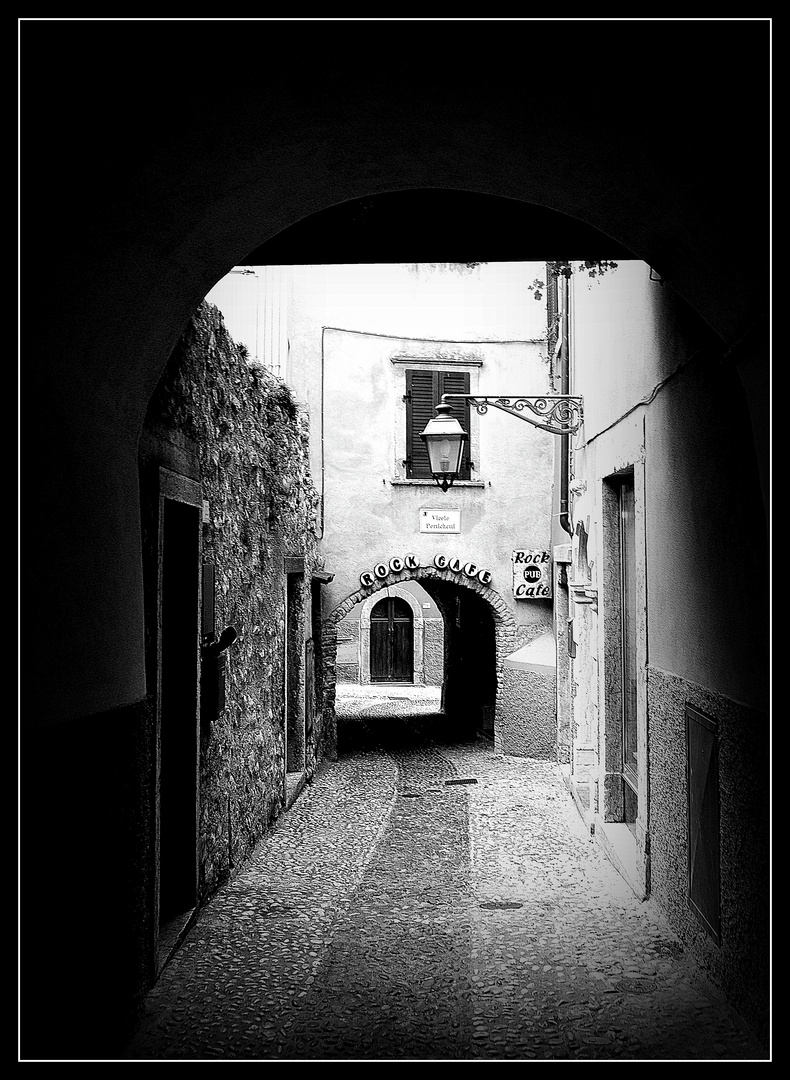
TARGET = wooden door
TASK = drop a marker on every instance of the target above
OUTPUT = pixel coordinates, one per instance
(391, 641)
(179, 711)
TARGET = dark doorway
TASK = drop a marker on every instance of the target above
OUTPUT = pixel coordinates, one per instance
(179, 719)
(470, 663)
(628, 662)
(294, 674)
(391, 641)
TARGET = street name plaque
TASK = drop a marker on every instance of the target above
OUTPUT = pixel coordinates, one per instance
(440, 521)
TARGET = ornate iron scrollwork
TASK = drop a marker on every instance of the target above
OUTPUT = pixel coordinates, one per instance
(556, 413)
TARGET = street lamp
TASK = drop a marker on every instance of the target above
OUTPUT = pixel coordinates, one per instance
(444, 437)
(444, 440)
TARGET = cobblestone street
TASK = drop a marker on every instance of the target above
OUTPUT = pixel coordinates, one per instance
(432, 901)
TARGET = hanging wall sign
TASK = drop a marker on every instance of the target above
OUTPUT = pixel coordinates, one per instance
(531, 575)
(383, 570)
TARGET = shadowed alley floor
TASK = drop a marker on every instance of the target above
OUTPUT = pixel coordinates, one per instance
(432, 900)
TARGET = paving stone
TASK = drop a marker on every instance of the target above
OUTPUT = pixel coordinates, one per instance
(471, 922)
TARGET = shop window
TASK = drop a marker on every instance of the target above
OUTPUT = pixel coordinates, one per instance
(424, 390)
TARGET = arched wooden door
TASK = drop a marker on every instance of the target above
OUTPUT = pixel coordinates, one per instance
(391, 641)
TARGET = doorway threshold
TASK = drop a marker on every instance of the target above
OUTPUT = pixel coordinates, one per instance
(294, 783)
(171, 934)
(619, 845)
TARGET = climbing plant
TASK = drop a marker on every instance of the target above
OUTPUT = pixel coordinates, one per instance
(563, 268)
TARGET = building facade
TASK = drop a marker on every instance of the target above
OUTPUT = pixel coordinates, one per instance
(662, 690)
(371, 350)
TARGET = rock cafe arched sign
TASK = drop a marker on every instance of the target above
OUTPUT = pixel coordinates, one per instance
(411, 562)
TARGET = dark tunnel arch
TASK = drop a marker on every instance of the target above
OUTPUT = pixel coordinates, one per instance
(155, 160)
(194, 173)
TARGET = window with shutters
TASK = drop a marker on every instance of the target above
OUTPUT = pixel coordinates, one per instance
(424, 390)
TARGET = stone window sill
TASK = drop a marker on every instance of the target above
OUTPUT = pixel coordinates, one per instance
(399, 482)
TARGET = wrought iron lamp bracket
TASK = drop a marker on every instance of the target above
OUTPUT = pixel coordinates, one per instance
(555, 413)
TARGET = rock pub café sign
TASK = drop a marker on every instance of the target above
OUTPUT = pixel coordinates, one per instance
(383, 570)
(531, 575)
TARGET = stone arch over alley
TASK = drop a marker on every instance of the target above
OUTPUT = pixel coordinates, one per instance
(480, 633)
(125, 300)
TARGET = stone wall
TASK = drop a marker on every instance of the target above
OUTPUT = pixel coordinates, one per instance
(251, 446)
(348, 651)
(433, 652)
(526, 714)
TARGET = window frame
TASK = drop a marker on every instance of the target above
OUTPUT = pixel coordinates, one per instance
(420, 470)
(402, 472)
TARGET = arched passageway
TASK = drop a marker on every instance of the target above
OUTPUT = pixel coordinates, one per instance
(469, 689)
(479, 631)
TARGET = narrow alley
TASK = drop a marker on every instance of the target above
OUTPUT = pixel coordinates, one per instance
(427, 900)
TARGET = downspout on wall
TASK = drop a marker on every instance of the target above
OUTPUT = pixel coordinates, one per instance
(564, 364)
(563, 625)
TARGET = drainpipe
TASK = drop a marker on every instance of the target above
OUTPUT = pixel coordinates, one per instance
(564, 515)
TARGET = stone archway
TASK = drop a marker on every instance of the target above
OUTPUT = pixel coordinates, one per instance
(150, 224)
(507, 635)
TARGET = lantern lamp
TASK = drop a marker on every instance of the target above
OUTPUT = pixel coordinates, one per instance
(444, 440)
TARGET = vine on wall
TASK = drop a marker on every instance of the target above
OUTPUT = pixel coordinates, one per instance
(563, 268)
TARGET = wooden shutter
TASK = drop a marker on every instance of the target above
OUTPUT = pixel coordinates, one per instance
(422, 388)
(457, 382)
(424, 391)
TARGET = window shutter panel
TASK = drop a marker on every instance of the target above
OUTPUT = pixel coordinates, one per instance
(457, 382)
(421, 390)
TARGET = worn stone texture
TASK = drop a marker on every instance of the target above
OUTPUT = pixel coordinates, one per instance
(251, 443)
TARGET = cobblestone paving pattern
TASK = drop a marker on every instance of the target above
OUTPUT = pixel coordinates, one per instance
(438, 902)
